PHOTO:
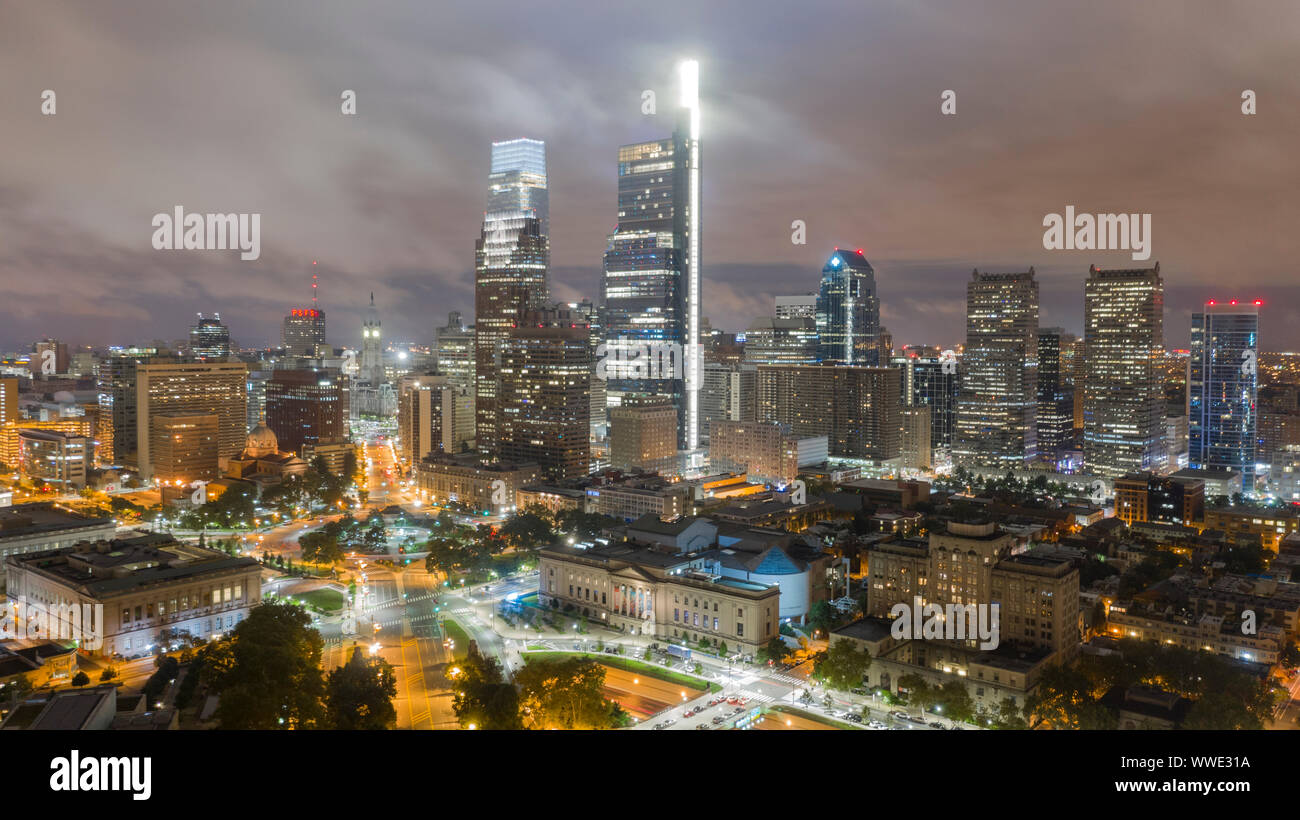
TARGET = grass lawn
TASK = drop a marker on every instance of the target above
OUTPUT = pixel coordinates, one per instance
(641, 667)
(325, 599)
(461, 638)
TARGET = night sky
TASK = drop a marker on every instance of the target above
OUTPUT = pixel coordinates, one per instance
(827, 112)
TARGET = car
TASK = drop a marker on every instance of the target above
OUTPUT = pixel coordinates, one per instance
(875, 724)
(697, 710)
(854, 717)
(737, 710)
(670, 721)
(858, 690)
(934, 724)
(715, 701)
(702, 726)
(719, 719)
(743, 701)
(900, 714)
(732, 699)
(688, 713)
(659, 726)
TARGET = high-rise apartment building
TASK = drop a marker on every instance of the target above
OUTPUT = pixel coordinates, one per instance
(996, 409)
(727, 392)
(184, 447)
(651, 287)
(8, 401)
(1123, 402)
(848, 311)
(168, 387)
(766, 451)
(1222, 388)
(856, 408)
(308, 407)
(428, 406)
(511, 258)
(543, 403)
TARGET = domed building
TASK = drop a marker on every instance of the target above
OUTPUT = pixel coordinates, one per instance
(261, 461)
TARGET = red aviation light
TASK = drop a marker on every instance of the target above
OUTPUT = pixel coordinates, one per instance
(1259, 302)
(1233, 302)
(1211, 303)
(859, 251)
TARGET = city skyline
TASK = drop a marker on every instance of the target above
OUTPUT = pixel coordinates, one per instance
(390, 212)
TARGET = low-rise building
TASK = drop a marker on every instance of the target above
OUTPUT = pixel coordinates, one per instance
(152, 590)
(42, 525)
(464, 479)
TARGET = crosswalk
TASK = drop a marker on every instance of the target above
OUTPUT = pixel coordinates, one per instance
(757, 696)
(788, 679)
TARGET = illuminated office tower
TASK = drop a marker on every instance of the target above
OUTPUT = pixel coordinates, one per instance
(303, 332)
(643, 435)
(510, 261)
(1055, 402)
(308, 408)
(1123, 399)
(209, 338)
(930, 381)
(1222, 388)
(797, 307)
(544, 394)
(651, 285)
(999, 372)
(172, 388)
(856, 408)
(781, 341)
(848, 311)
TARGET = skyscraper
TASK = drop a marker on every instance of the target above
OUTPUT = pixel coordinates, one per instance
(303, 332)
(543, 398)
(999, 381)
(651, 285)
(1055, 401)
(1222, 388)
(796, 307)
(171, 388)
(1123, 400)
(781, 341)
(848, 310)
(209, 338)
(308, 407)
(856, 408)
(511, 258)
(933, 382)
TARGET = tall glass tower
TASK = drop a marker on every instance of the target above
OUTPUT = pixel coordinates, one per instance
(848, 311)
(511, 258)
(651, 286)
(1222, 388)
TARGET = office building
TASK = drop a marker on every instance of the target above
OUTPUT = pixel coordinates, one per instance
(184, 447)
(932, 382)
(915, 442)
(209, 339)
(188, 388)
(465, 479)
(856, 408)
(1141, 497)
(1222, 389)
(848, 311)
(1124, 401)
(996, 409)
(308, 407)
(543, 394)
(727, 391)
(511, 257)
(766, 451)
(651, 285)
(429, 407)
(50, 357)
(56, 459)
(643, 435)
(8, 401)
(781, 341)
(803, 306)
(1055, 412)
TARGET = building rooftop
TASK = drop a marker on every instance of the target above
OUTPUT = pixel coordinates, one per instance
(31, 519)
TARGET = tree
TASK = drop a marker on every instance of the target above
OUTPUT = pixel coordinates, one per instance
(567, 694)
(108, 674)
(275, 680)
(526, 531)
(776, 649)
(321, 547)
(359, 694)
(842, 665)
(80, 679)
(823, 617)
(481, 697)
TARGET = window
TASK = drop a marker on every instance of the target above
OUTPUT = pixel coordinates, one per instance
(216, 596)
(239, 592)
(715, 624)
(675, 613)
(740, 630)
(226, 594)
(126, 617)
(138, 612)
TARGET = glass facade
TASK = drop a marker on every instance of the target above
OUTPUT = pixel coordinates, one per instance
(848, 310)
(1222, 389)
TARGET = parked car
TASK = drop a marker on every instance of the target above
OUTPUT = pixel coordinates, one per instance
(900, 714)
(934, 724)
(702, 726)
(855, 718)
